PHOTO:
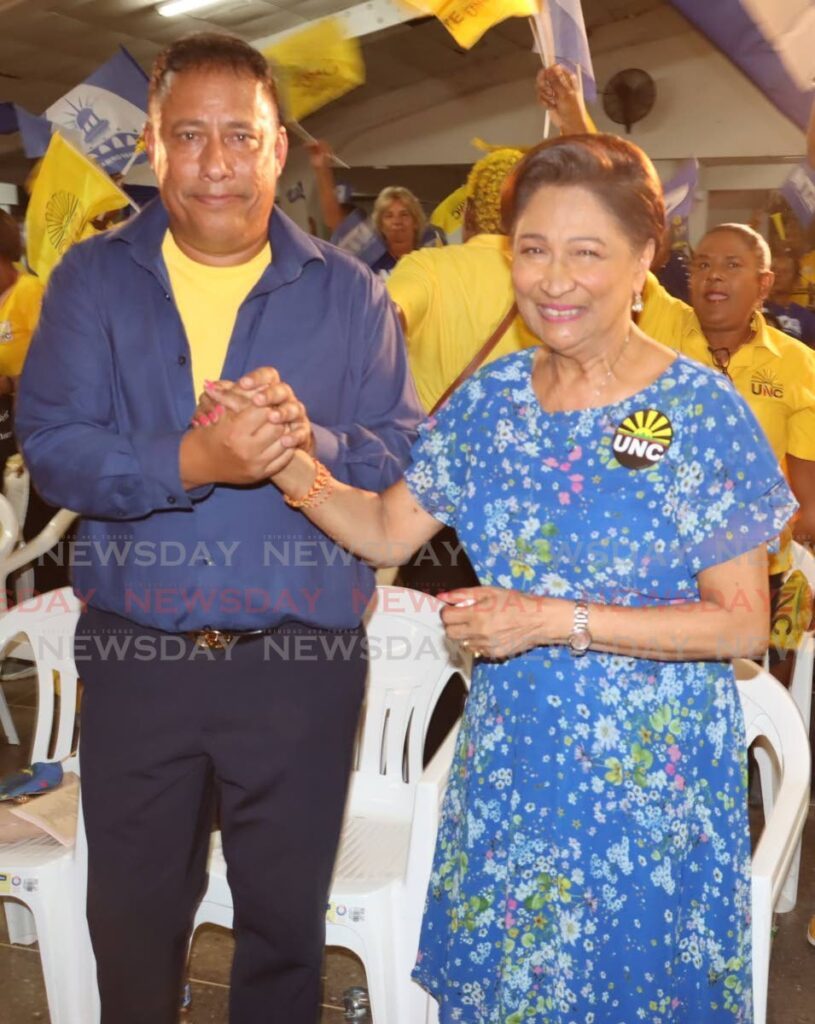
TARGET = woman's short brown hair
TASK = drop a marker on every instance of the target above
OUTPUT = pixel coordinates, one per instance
(616, 172)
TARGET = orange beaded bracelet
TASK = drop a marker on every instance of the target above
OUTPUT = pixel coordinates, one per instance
(321, 486)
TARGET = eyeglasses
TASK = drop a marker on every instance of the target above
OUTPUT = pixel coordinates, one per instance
(721, 360)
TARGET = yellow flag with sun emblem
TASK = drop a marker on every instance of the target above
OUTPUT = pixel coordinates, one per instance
(69, 192)
(315, 66)
(468, 20)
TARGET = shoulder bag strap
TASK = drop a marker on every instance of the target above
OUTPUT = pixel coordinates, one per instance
(479, 357)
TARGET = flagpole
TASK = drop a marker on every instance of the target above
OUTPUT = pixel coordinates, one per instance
(124, 173)
(306, 136)
(538, 40)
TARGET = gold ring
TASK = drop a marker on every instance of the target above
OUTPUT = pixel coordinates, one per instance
(476, 654)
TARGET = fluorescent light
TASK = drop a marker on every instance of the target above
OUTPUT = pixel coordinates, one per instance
(176, 7)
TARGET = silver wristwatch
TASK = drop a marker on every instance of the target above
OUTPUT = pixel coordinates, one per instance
(580, 638)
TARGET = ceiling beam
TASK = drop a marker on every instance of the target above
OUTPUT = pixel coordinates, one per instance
(359, 20)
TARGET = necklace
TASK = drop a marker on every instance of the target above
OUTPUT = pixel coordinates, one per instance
(598, 389)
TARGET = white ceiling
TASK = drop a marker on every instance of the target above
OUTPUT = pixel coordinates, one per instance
(48, 46)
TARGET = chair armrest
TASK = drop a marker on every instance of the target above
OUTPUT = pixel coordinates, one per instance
(782, 830)
(53, 530)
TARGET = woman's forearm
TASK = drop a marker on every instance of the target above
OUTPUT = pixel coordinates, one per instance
(691, 631)
(498, 623)
(382, 529)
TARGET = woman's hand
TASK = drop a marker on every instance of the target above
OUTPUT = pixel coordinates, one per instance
(495, 623)
(261, 388)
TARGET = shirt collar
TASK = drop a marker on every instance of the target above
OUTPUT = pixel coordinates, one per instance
(292, 248)
(761, 339)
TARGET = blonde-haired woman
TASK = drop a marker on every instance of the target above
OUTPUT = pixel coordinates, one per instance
(396, 227)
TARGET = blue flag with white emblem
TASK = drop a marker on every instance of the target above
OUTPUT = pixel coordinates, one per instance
(103, 116)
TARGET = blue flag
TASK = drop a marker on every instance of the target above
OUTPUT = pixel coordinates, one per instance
(799, 191)
(563, 33)
(771, 41)
(680, 190)
(357, 235)
(103, 116)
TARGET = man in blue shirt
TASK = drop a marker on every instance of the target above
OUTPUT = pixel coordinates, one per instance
(209, 647)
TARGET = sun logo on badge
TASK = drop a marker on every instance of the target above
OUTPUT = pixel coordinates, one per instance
(642, 439)
(63, 220)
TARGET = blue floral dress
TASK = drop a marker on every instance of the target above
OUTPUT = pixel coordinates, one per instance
(593, 860)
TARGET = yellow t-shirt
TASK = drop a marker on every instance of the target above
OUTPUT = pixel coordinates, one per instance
(773, 372)
(453, 298)
(19, 313)
(208, 299)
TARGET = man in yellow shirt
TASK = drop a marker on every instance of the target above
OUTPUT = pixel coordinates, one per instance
(774, 373)
(452, 299)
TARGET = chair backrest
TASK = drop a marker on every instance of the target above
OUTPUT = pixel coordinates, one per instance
(9, 527)
(49, 622)
(770, 713)
(17, 486)
(411, 661)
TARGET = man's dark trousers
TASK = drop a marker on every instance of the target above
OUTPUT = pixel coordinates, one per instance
(266, 729)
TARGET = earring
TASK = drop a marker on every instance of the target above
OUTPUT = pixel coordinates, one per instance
(637, 306)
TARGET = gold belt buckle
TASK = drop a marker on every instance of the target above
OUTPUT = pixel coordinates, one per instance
(213, 639)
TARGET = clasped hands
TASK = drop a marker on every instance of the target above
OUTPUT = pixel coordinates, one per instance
(252, 427)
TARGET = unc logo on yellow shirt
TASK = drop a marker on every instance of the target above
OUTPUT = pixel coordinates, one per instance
(765, 385)
(642, 439)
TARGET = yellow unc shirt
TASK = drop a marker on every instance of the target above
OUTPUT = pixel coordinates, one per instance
(773, 372)
(19, 313)
(208, 299)
(453, 298)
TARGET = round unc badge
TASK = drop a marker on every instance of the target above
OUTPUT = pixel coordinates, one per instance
(642, 439)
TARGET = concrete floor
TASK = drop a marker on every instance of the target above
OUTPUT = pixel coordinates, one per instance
(22, 996)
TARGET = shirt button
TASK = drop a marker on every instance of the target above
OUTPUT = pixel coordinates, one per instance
(182, 360)
(171, 499)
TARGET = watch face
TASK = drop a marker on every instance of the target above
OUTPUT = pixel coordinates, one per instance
(580, 641)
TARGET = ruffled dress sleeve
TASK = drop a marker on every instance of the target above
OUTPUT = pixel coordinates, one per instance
(729, 495)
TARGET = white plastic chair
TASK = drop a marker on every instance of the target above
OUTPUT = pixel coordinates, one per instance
(10, 561)
(46, 877)
(389, 833)
(801, 692)
(772, 719)
(9, 534)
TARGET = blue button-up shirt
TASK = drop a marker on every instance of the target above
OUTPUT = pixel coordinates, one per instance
(106, 396)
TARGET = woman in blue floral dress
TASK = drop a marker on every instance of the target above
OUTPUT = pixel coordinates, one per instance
(593, 861)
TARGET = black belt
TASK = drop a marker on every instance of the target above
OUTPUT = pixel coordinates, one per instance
(222, 639)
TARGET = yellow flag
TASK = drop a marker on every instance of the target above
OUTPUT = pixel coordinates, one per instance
(468, 20)
(68, 193)
(316, 66)
(449, 214)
